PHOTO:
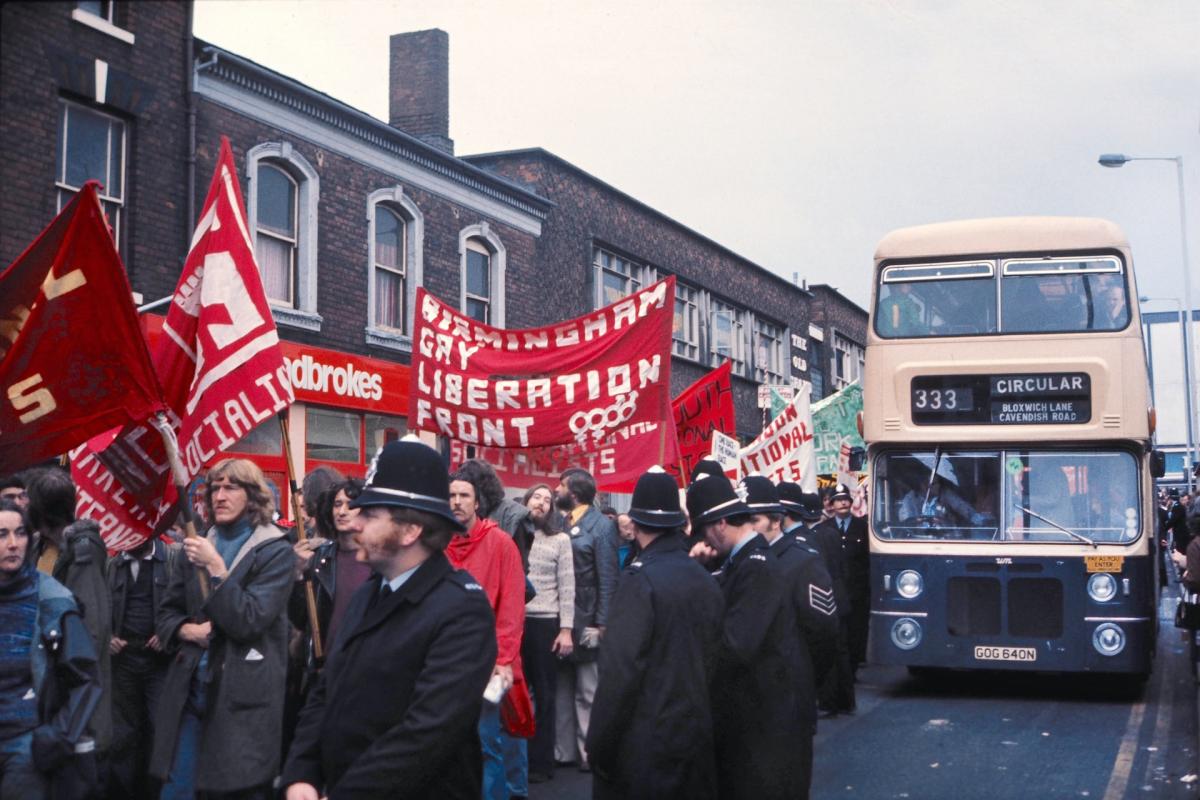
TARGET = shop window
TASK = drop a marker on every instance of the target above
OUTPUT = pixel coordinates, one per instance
(380, 430)
(333, 435)
(483, 265)
(91, 146)
(282, 191)
(265, 439)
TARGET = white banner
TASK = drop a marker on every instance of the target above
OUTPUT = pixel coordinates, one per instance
(725, 452)
(785, 450)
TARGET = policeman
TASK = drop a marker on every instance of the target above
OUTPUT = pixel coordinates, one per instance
(395, 710)
(651, 732)
(851, 531)
(802, 518)
(760, 719)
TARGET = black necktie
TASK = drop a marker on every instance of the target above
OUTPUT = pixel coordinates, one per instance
(381, 595)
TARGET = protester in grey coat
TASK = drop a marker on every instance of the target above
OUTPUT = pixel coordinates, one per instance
(219, 722)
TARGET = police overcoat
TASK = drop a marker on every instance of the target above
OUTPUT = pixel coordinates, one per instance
(810, 588)
(395, 711)
(650, 734)
(760, 720)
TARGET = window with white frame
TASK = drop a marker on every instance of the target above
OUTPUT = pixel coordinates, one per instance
(276, 233)
(482, 269)
(91, 146)
(282, 193)
(848, 360)
(685, 332)
(768, 352)
(727, 335)
(617, 277)
(390, 254)
(477, 282)
(104, 9)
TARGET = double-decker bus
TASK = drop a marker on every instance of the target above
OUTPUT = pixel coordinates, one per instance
(1006, 412)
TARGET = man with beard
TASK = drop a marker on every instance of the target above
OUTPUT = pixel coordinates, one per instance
(489, 554)
(594, 546)
(759, 719)
(396, 708)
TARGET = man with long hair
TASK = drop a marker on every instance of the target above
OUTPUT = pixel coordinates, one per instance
(220, 715)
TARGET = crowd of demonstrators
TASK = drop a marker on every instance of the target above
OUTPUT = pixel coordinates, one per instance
(594, 550)
(549, 619)
(485, 551)
(220, 713)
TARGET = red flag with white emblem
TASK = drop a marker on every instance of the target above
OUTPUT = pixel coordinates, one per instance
(221, 369)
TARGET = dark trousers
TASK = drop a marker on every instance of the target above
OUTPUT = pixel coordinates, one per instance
(137, 679)
(836, 692)
(541, 673)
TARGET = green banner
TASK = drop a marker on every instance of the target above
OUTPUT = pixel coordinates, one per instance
(835, 419)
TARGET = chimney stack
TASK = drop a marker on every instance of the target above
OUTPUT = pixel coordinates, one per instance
(419, 86)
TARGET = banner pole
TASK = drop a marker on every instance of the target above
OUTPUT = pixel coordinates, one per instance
(179, 475)
(310, 595)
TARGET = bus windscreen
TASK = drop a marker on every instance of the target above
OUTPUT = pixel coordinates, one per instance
(1012, 495)
(1042, 295)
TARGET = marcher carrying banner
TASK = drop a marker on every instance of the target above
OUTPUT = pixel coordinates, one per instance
(577, 382)
(222, 374)
(72, 359)
(700, 409)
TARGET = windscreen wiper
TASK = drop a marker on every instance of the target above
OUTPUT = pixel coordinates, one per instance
(1067, 531)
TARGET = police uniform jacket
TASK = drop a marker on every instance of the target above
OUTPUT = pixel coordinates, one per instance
(854, 552)
(594, 551)
(827, 542)
(810, 588)
(394, 712)
(651, 729)
(760, 719)
(241, 729)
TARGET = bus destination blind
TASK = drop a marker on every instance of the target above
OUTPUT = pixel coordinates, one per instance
(1036, 398)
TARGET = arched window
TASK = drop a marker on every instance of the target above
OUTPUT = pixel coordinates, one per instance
(275, 242)
(282, 192)
(482, 266)
(395, 228)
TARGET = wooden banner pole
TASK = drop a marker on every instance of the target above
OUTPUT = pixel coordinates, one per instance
(310, 594)
(180, 479)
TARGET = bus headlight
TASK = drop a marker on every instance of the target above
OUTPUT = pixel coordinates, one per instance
(906, 633)
(1102, 587)
(1108, 639)
(909, 584)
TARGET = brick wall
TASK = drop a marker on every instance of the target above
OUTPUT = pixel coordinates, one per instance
(587, 211)
(45, 55)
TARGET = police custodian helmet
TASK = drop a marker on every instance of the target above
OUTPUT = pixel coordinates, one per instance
(656, 501)
(710, 499)
(761, 495)
(799, 503)
(409, 474)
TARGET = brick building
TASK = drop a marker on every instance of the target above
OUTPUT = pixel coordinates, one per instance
(351, 214)
(837, 340)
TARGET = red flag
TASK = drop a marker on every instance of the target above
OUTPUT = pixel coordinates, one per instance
(700, 409)
(73, 362)
(220, 363)
(579, 381)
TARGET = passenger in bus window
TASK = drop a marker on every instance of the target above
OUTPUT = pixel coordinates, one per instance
(899, 313)
(1111, 311)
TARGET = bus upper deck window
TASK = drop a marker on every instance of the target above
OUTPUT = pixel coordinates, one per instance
(922, 300)
(1063, 294)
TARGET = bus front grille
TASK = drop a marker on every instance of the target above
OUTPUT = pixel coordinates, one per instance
(1035, 607)
(973, 606)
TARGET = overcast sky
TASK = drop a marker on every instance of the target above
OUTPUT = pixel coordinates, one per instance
(799, 133)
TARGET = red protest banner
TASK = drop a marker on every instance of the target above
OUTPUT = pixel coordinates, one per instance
(72, 359)
(576, 382)
(700, 409)
(616, 463)
(221, 367)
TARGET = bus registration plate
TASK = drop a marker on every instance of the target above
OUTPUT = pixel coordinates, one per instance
(993, 653)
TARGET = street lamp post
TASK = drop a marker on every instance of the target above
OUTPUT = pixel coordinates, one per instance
(1118, 160)
(1187, 381)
